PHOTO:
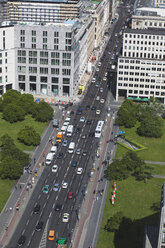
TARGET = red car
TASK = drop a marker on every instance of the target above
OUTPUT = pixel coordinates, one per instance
(70, 195)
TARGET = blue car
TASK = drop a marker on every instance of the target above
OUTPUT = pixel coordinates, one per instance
(56, 187)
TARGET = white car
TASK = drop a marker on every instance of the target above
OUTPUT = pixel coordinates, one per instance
(99, 64)
(97, 112)
(97, 98)
(82, 119)
(101, 89)
(104, 78)
(55, 168)
(79, 171)
(97, 69)
(65, 217)
(64, 185)
(66, 123)
(93, 80)
(102, 101)
(67, 120)
(106, 74)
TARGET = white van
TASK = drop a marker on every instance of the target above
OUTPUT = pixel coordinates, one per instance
(71, 147)
(49, 158)
(53, 150)
(69, 130)
(63, 129)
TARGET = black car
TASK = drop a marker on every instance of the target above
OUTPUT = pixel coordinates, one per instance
(89, 122)
(78, 129)
(87, 107)
(93, 108)
(74, 163)
(60, 155)
(36, 209)
(58, 207)
(39, 226)
(21, 240)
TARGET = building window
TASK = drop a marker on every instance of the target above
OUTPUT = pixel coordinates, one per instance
(66, 72)
(32, 60)
(43, 70)
(22, 32)
(55, 80)
(68, 35)
(55, 61)
(44, 47)
(56, 41)
(32, 69)
(55, 71)
(45, 33)
(32, 78)
(32, 53)
(21, 69)
(56, 34)
(21, 53)
(55, 55)
(44, 61)
(43, 79)
(56, 47)
(66, 80)
(33, 32)
(21, 59)
(44, 54)
(21, 77)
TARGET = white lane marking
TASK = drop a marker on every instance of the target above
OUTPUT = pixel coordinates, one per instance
(39, 196)
(56, 197)
(41, 213)
(53, 205)
(23, 231)
(44, 205)
(48, 197)
(33, 232)
(50, 215)
(27, 222)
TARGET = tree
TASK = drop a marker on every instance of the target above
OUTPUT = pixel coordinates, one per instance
(117, 170)
(152, 126)
(127, 114)
(27, 103)
(29, 136)
(114, 222)
(43, 112)
(1, 104)
(10, 168)
(13, 113)
(11, 97)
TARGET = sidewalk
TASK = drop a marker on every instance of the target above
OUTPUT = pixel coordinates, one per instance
(22, 191)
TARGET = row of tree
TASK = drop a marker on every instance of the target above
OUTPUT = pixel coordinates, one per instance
(15, 106)
(129, 165)
(149, 116)
(13, 160)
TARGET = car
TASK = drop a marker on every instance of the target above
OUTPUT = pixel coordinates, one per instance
(60, 155)
(70, 195)
(21, 240)
(58, 207)
(83, 136)
(71, 112)
(78, 152)
(89, 122)
(93, 108)
(46, 189)
(66, 123)
(102, 100)
(101, 90)
(67, 120)
(97, 98)
(79, 171)
(64, 185)
(116, 34)
(82, 119)
(84, 153)
(97, 85)
(99, 64)
(36, 209)
(91, 134)
(65, 217)
(74, 163)
(104, 78)
(39, 226)
(97, 112)
(56, 187)
(93, 80)
(78, 130)
(51, 235)
(54, 168)
(97, 69)
(87, 107)
(65, 143)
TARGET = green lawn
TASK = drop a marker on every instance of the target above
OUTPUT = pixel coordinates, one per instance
(155, 147)
(158, 169)
(5, 188)
(136, 200)
(13, 129)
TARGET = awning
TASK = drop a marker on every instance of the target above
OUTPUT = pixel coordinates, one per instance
(130, 98)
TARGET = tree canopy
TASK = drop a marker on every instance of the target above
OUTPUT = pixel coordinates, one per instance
(29, 136)
(43, 112)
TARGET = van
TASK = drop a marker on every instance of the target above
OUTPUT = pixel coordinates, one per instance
(56, 123)
(53, 150)
(71, 147)
(69, 130)
(51, 235)
(49, 158)
(63, 129)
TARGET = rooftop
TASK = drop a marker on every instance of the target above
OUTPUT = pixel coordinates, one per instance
(145, 11)
(152, 31)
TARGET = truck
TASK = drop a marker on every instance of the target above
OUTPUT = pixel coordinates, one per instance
(61, 243)
(59, 137)
(69, 130)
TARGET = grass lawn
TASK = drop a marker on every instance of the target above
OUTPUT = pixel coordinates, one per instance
(5, 188)
(13, 129)
(136, 200)
(158, 169)
(155, 147)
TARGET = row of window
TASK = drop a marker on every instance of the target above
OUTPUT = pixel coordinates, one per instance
(45, 33)
(23, 53)
(142, 62)
(65, 62)
(45, 47)
(141, 92)
(142, 48)
(155, 24)
(34, 70)
(141, 86)
(138, 79)
(141, 36)
(141, 68)
(54, 80)
(144, 55)
(142, 42)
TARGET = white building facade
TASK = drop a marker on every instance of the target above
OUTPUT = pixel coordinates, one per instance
(141, 68)
(42, 60)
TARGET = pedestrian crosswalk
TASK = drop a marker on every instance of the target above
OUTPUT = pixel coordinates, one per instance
(44, 237)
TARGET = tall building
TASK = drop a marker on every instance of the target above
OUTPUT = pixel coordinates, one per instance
(42, 11)
(44, 59)
(158, 3)
(141, 68)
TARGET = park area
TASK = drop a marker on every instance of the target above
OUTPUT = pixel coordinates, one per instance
(139, 201)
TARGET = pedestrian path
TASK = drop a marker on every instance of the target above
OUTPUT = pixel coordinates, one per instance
(154, 162)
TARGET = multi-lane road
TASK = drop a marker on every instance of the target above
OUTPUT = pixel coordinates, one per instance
(52, 220)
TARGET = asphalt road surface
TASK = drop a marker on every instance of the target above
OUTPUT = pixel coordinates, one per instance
(66, 172)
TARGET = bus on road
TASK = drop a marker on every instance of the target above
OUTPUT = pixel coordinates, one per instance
(99, 129)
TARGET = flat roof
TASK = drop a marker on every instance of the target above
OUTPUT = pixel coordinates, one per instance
(150, 11)
(153, 31)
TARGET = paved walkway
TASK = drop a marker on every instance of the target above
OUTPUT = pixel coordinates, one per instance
(154, 162)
